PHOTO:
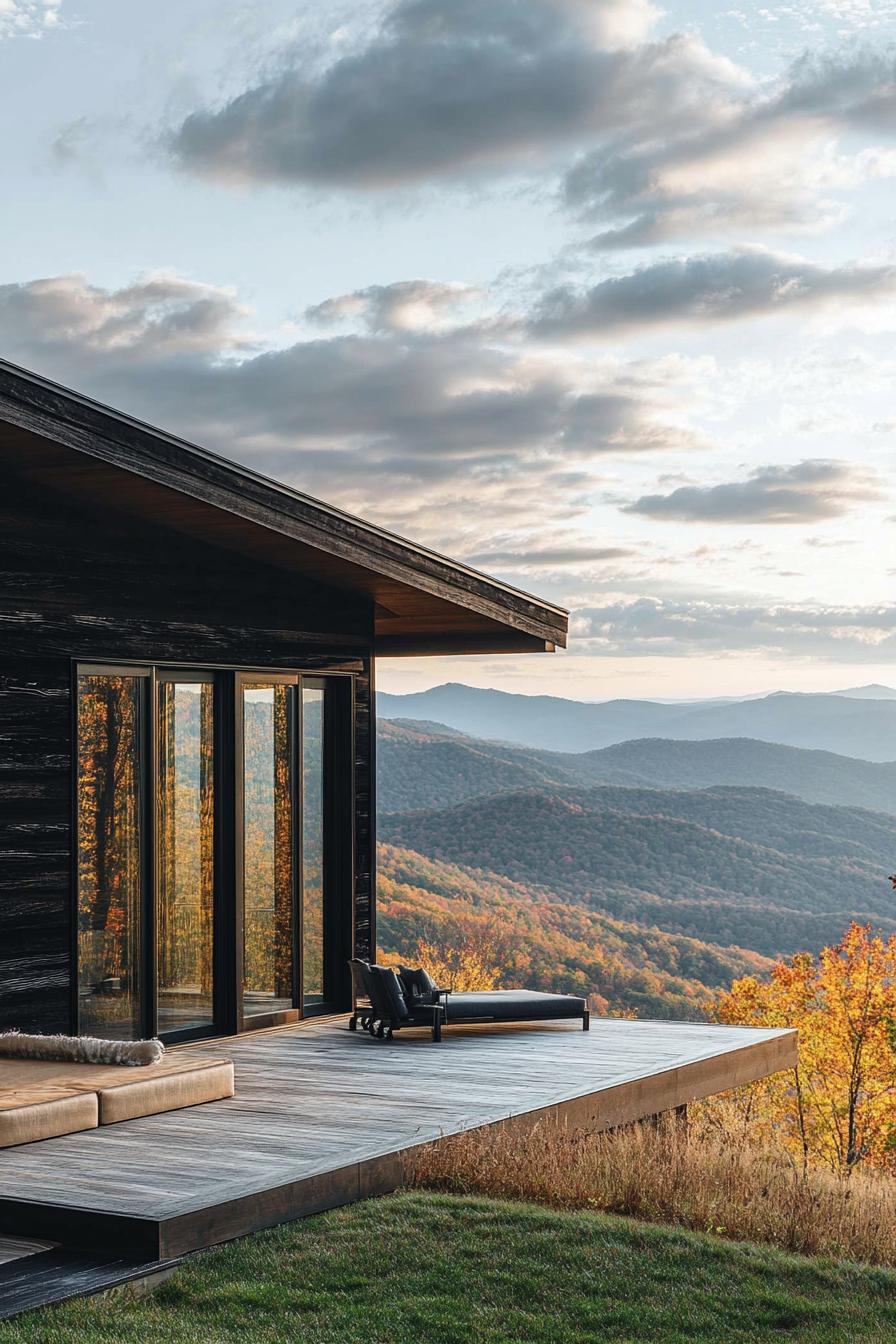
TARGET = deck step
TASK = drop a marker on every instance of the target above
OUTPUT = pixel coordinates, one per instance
(48, 1276)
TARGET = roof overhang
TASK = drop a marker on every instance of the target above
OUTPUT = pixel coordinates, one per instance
(424, 603)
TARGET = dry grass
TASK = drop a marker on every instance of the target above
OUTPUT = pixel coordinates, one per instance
(703, 1175)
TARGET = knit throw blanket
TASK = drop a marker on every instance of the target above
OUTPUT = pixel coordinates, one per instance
(79, 1049)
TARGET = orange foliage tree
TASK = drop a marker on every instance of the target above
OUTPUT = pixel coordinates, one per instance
(470, 956)
(838, 1106)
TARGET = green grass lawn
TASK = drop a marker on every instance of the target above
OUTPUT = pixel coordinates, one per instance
(440, 1269)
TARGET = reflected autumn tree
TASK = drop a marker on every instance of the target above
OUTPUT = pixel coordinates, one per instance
(186, 835)
(269, 847)
(312, 845)
(109, 854)
(111, 761)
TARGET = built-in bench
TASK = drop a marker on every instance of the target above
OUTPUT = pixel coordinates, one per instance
(41, 1099)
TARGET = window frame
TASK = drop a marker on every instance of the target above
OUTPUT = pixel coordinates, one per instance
(340, 834)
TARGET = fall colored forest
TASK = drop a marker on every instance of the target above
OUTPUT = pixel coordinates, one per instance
(742, 903)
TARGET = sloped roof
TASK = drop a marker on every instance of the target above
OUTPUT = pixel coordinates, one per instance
(423, 602)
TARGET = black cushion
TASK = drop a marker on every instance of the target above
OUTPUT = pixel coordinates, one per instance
(417, 985)
(513, 1005)
(385, 994)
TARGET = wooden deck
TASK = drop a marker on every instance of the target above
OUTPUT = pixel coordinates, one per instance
(322, 1117)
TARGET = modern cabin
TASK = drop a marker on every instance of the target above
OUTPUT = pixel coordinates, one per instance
(187, 655)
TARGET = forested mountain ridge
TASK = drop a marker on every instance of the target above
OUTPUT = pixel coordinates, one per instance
(848, 724)
(750, 867)
(422, 764)
(536, 939)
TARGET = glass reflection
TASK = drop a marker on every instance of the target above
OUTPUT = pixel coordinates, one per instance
(186, 822)
(312, 846)
(110, 869)
(269, 848)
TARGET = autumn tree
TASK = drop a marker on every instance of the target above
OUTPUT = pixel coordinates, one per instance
(838, 1106)
(473, 953)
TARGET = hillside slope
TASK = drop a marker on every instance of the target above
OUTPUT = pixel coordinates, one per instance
(536, 939)
(750, 867)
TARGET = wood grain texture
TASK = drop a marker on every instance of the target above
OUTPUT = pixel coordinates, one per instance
(16, 1248)
(59, 1274)
(322, 1116)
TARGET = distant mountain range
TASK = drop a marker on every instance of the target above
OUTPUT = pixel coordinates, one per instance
(646, 871)
(859, 722)
(755, 868)
(425, 765)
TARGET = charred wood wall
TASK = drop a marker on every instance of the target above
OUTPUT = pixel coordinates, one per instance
(78, 583)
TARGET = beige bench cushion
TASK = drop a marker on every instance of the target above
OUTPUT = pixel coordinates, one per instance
(125, 1092)
(44, 1112)
(126, 1098)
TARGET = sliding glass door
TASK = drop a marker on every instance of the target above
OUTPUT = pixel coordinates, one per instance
(111, 713)
(185, 909)
(214, 843)
(312, 845)
(282, 868)
(269, 854)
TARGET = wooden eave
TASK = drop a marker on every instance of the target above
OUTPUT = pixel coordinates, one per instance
(423, 602)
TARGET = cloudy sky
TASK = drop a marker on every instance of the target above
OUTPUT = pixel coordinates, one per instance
(598, 296)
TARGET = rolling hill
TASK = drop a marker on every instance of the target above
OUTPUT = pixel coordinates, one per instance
(849, 724)
(756, 868)
(428, 765)
(539, 940)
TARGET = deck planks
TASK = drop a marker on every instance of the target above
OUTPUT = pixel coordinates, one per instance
(320, 1114)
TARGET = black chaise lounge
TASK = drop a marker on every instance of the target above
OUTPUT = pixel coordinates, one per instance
(409, 998)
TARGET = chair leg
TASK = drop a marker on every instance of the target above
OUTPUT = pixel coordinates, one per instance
(586, 1020)
(437, 1027)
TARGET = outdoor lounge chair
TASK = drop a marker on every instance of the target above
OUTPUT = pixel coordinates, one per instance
(390, 1008)
(411, 999)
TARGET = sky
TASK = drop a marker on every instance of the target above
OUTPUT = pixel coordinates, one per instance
(595, 295)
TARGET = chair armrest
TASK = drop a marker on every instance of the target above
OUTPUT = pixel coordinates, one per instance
(442, 991)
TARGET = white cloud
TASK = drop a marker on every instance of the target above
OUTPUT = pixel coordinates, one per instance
(28, 18)
(687, 627)
(806, 492)
(704, 290)
(401, 422)
(443, 89)
(656, 138)
(408, 305)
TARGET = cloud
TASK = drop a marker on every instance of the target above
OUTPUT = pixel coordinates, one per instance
(159, 317)
(808, 492)
(402, 423)
(404, 306)
(443, 89)
(551, 556)
(760, 160)
(704, 290)
(685, 627)
(654, 139)
(28, 18)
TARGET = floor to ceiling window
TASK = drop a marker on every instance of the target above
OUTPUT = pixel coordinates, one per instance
(186, 853)
(175, 769)
(111, 847)
(269, 847)
(312, 844)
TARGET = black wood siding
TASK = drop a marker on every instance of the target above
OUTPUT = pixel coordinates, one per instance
(95, 586)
